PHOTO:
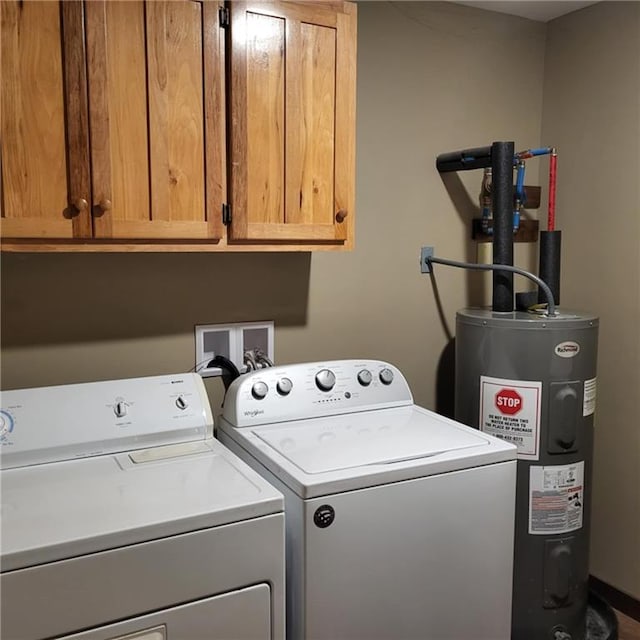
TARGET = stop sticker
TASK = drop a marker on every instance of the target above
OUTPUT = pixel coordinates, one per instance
(508, 401)
(510, 410)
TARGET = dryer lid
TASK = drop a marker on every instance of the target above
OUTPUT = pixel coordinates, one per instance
(368, 438)
(66, 509)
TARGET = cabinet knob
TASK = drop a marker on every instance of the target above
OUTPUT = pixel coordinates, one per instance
(103, 206)
(341, 215)
(81, 204)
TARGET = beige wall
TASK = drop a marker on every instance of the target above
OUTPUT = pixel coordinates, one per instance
(592, 114)
(432, 77)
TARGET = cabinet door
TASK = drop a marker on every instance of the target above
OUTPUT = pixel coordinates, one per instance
(45, 169)
(156, 134)
(292, 121)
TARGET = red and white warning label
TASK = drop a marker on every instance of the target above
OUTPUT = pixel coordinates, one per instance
(556, 497)
(510, 410)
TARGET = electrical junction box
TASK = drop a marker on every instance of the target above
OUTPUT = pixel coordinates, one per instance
(232, 341)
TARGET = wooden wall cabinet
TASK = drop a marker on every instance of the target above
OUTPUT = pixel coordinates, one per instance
(36, 162)
(114, 119)
(106, 125)
(292, 121)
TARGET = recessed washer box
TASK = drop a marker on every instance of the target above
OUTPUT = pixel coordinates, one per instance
(232, 341)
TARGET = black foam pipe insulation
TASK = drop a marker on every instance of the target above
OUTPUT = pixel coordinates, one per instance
(464, 160)
(499, 156)
(549, 263)
(502, 197)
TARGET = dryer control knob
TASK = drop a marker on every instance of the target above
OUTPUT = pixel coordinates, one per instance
(181, 403)
(4, 425)
(386, 376)
(120, 409)
(365, 377)
(325, 379)
(284, 386)
(259, 390)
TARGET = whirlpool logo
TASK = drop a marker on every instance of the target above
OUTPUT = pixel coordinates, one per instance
(567, 349)
(253, 413)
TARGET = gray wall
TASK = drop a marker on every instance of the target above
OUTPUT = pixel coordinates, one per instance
(592, 113)
(432, 77)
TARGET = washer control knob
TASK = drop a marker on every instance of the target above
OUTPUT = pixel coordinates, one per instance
(181, 403)
(365, 377)
(284, 386)
(325, 380)
(386, 376)
(259, 390)
(120, 409)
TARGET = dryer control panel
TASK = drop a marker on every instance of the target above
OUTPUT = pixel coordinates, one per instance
(312, 390)
(49, 424)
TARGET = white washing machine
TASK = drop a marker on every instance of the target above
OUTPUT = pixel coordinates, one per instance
(399, 521)
(123, 518)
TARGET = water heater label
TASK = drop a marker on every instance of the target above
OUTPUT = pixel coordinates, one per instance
(589, 402)
(510, 410)
(556, 497)
(568, 349)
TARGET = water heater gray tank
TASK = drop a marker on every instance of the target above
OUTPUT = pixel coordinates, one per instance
(531, 379)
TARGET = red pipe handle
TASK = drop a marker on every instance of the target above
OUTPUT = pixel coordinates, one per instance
(553, 167)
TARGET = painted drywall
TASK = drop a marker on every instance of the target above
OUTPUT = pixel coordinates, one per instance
(592, 114)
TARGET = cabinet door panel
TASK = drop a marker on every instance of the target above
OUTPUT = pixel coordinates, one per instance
(265, 38)
(36, 166)
(148, 120)
(289, 76)
(118, 113)
(310, 173)
(176, 107)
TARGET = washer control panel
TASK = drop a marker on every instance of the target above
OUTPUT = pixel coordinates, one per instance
(50, 424)
(298, 391)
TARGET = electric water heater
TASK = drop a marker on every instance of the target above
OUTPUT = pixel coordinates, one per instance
(531, 380)
(528, 375)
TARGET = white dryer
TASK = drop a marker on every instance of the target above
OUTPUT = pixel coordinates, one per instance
(122, 517)
(399, 521)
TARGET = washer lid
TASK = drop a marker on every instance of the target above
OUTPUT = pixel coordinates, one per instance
(367, 438)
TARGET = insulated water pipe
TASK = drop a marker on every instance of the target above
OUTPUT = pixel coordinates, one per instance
(500, 157)
(551, 239)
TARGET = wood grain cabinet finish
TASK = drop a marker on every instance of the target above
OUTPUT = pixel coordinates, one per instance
(130, 77)
(292, 121)
(114, 125)
(39, 170)
(147, 112)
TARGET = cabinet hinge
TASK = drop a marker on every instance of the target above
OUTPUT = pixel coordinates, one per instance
(226, 213)
(223, 17)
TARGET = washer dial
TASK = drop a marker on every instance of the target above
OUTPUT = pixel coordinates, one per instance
(284, 386)
(386, 376)
(365, 377)
(325, 380)
(259, 390)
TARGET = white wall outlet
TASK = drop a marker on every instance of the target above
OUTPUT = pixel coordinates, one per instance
(232, 341)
